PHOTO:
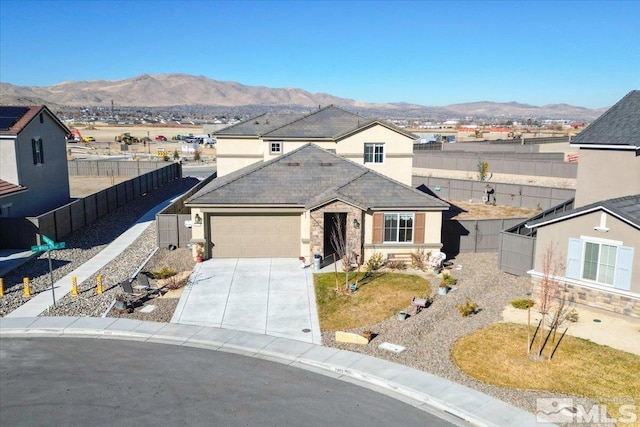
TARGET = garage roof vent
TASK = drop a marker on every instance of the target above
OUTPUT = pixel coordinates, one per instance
(293, 164)
(326, 164)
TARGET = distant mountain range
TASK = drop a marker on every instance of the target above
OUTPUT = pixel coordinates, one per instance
(182, 90)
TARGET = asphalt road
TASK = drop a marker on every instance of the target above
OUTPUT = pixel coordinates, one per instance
(90, 382)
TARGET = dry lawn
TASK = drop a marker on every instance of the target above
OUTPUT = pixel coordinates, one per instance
(376, 299)
(467, 210)
(497, 354)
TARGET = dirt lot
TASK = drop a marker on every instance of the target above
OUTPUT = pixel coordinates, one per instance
(466, 210)
(107, 133)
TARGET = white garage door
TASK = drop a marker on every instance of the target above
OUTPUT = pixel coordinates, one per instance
(255, 236)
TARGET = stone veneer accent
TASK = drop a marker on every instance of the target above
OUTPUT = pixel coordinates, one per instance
(354, 235)
(597, 298)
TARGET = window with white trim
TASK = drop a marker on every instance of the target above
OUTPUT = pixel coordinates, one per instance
(38, 153)
(373, 152)
(398, 227)
(275, 147)
(600, 261)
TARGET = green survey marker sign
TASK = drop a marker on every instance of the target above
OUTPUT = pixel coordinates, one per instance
(49, 246)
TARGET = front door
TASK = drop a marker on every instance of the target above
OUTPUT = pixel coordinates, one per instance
(335, 229)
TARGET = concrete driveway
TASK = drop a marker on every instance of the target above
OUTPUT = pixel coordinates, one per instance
(271, 296)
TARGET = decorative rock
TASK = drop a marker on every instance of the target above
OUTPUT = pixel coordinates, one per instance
(350, 338)
(395, 348)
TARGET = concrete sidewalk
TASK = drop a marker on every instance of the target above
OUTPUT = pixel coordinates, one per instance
(272, 296)
(417, 388)
(43, 300)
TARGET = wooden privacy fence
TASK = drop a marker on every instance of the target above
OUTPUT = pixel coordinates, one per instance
(524, 196)
(170, 222)
(518, 243)
(474, 235)
(112, 167)
(543, 164)
(71, 217)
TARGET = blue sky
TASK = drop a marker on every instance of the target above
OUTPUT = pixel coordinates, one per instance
(433, 53)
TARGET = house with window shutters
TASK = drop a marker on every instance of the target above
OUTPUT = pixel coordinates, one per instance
(599, 239)
(292, 205)
(375, 144)
(34, 175)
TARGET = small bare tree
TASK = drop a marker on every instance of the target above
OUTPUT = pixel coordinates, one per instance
(550, 299)
(344, 248)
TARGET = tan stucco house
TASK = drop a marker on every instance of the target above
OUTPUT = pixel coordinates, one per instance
(34, 175)
(373, 143)
(599, 239)
(291, 205)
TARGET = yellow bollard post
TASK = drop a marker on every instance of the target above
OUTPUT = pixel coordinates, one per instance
(1, 287)
(99, 285)
(74, 286)
(27, 287)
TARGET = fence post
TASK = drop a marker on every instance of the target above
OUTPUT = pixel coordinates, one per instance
(74, 286)
(27, 287)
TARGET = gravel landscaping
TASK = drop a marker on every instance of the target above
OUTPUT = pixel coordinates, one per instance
(83, 245)
(429, 335)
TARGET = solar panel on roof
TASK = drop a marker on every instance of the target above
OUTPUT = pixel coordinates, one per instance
(10, 115)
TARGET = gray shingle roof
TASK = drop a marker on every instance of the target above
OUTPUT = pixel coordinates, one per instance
(626, 208)
(259, 125)
(618, 126)
(326, 123)
(310, 176)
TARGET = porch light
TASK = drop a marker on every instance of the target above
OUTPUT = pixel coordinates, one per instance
(356, 224)
(198, 219)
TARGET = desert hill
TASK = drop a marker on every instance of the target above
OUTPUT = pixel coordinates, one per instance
(182, 90)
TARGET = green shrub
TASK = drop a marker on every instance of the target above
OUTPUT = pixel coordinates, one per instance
(164, 273)
(374, 263)
(447, 280)
(469, 307)
(522, 304)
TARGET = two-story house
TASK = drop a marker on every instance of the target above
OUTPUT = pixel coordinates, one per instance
(373, 143)
(293, 205)
(599, 239)
(34, 175)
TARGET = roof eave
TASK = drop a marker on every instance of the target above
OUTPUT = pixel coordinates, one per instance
(580, 213)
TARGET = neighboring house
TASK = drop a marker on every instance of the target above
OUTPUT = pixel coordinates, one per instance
(292, 205)
(34, 175)
(375, 144)
(599, 239)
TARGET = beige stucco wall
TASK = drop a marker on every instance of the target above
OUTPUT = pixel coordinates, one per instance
(236, 153)
(557, 235)
(606, 174)
(432, 237)
(398, 152)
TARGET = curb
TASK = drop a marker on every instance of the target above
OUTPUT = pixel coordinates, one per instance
(417, 388)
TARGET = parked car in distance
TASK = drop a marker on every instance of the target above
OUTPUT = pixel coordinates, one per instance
(161, 138)
(88, 139)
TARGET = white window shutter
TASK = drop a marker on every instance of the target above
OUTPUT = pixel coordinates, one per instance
(574, 259)
(624, 267)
